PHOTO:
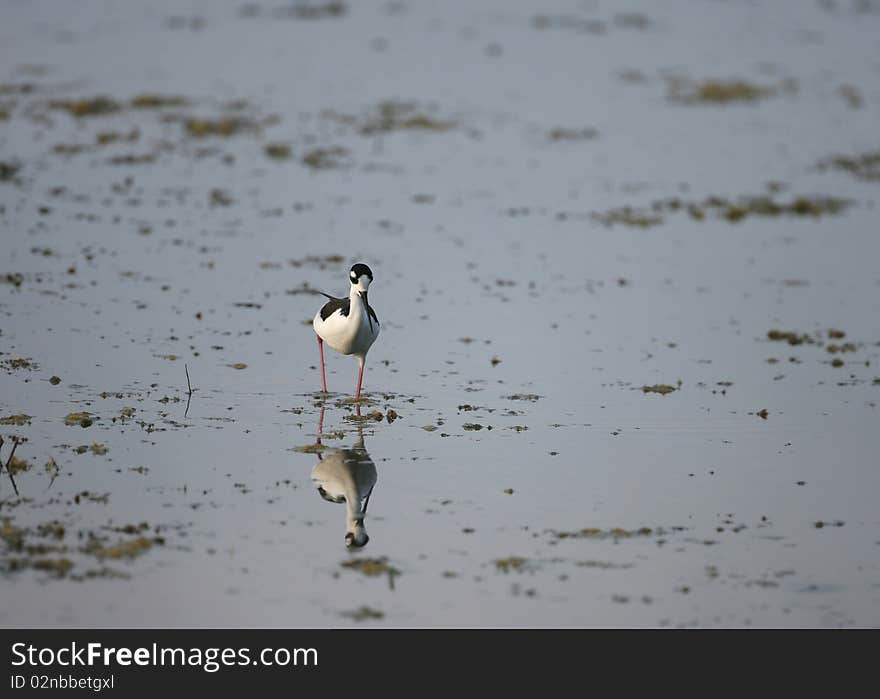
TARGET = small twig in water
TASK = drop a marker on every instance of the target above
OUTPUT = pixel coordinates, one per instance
(9, 462)
(190, 390)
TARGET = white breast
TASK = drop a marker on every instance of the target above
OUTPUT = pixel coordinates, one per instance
(349, 334)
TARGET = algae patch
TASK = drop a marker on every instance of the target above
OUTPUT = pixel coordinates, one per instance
(150, 100)
(19, 420)
(278, 151)
(864, 167)
(718, 91)
(123, 549)
(373, 567)
(511, 563)
(83, 419)
(224, 126)
(613, 533)
(390, 116)
(730, 210)
(325, 158)
(661, 388)
(93, 106)
(363, 613)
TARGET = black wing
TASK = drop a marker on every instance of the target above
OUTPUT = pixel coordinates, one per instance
(335, 304)
(372, 313)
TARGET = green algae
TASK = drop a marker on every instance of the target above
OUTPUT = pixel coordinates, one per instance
(363, 613)
(372, 568)
(865, 167)
(151, 100)
(661, 388)
(19, 420)
(511, 563)
(718, 91)
(224, 126)
(325, 158)
(278, 151)
(613, 533)
(87, 107)
(730, 210)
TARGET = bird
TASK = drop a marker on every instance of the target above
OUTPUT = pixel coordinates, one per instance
(348, 325)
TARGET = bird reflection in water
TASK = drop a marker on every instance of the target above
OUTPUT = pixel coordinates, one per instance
(347, 476)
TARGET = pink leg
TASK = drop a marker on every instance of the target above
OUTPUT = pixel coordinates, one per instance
(360, 377)
(320, 429)
(321, 352)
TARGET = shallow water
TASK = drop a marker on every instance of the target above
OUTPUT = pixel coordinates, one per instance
(504, 303)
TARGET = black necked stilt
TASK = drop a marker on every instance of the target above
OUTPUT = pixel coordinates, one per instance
(348, 325)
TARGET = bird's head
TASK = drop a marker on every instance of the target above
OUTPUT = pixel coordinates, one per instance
(360, 276)
(356, 536)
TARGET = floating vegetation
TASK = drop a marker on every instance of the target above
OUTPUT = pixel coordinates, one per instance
(278, 151)
(363, 613)
(319, 261)
(19, 420)
(863, 167)
(43, 547)
(312, 11)
(14, 465)
(628, 216)
(532, 397)
(224, 126)
(472, 426)
(59, 567)
(93, 106)
(732, 210)
(391, 116)
(564, 134)
(325, 158)
(834, 348)
(851, 95)
(819, 524)
(373, 567)
(511, 563)
(105, 138)
(374, 415)
(132, 159)
(614, 533)
(83, 419)
(315, 448)
(8, 170)
(123, 549)
(14, 363)
(661, 388)
(791, 337)
(220, 197)
(569, 22)
(154, 101)
(717, 91)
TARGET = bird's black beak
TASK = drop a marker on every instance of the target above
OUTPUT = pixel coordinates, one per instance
(367, 304)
